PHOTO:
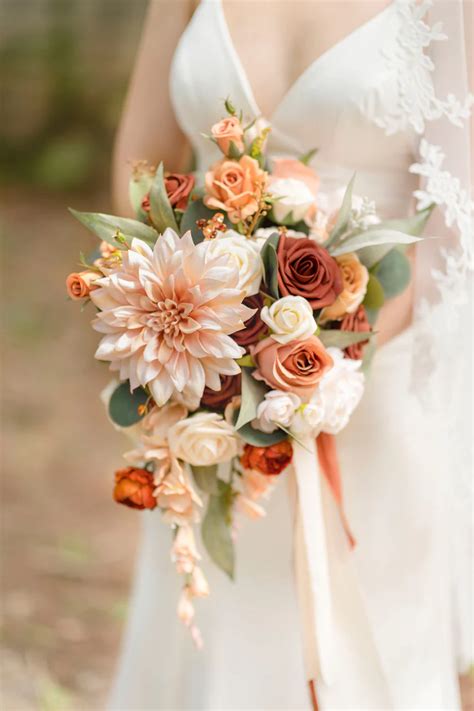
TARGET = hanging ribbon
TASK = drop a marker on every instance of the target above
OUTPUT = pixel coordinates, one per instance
(337, 636)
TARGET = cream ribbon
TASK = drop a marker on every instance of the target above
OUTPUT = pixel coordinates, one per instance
(339, 650)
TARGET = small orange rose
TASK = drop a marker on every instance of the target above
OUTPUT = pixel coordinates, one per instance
(355, 277)
(134, 488)
(267, 460)
(235, 187)
(79, 285)
(228, 131)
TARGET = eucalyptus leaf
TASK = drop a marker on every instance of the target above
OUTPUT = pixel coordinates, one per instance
(234, 152)
(393, 272)
(216, 529)
(161, 212)
(343, 215)
(206, 478)
(253, 392)
(269, 258)
(342, 339)
(107, 226)
(374, 296)
(369, 353)
(412, 225)
(260, 439)
(138, 189)
(307, 157)
(372, 237)
(124, 405)
(372, 315)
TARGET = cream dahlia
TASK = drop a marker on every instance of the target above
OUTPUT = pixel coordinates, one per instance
(167, 314)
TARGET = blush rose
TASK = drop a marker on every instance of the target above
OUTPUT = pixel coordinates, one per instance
(235, 187)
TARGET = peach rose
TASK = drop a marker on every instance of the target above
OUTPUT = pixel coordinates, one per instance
(292, 168)
(80, 284)
(228, 131)
(270, 460)
(134, 488)
(355, 277)
(235, 187)
(295, 367)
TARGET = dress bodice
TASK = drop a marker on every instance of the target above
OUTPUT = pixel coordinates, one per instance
(332, 106)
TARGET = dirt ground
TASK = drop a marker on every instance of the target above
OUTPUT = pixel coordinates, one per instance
(67, 549)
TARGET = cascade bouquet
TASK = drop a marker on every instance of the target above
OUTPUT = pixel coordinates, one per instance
(238, 317)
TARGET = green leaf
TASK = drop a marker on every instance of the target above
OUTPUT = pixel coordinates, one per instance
(260, 439)
(413, 225)
(206, 478)
(234, 152)
(393, 272)
(229, 107)
(374, 297)
(161, 212)
(196, 210)
(342, 339)
(123, 405)
(307, 157)
(107, 226)
(216, 529)
(343, 215)
(372, 237)
(246, 361)
(253, 392)
(138, 189)
(269, 258)
(372, 315)
(368, 356)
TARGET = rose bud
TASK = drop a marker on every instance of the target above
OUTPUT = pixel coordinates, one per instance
(134, 488)
(218, 399)
(254, 326)
(80, 284)
(307, 269)
(357, 323)
(267, 460)
(226, 132)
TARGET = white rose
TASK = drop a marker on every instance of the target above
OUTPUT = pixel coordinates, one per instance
(245, 253)
(307, 419)
(339, 392)
(290, 318)
(203, 439)
(277, 408)
(294, 197)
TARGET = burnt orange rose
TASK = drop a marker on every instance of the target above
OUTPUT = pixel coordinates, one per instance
(307, 269)
(80, 284)
(228, 131)
(134, 488)
(295, 367)
(267, 460)
(357, 323)
(235, 187)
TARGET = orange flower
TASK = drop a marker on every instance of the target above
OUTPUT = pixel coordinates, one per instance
(79, 285)
(134, 488)
(235, 187)
(228, 131)
(267, 460)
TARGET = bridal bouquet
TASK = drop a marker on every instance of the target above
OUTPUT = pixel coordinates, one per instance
(238, 317)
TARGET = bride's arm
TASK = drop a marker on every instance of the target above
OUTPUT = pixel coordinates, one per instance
(148, 128)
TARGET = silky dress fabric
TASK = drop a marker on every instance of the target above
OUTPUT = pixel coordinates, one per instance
(392, 456)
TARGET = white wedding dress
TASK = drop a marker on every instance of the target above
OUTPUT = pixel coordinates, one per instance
(393, 455)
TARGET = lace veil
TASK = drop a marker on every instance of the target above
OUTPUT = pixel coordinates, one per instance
(433, 99)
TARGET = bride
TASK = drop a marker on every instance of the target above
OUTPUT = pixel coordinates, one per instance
(380, 88)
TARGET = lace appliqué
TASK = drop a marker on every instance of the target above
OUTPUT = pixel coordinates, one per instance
(413, 68)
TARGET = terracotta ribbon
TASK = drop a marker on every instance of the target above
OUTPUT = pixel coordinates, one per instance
(329, 463)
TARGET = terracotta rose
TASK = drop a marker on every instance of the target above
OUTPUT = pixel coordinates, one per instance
(267, 460)
(134, 488)
(295, 367)
(307, 269)
(357, 323)
(80, 284)
(179, 188)
(218, 399)
(254, 326)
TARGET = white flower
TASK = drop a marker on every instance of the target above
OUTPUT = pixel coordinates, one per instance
(339, 392)
(255, 130)
(203, 439)
(290, 318)
(363, 214)
(244, 254)
(277, 408)
(294, 197)
(307, 419)
(263, 233)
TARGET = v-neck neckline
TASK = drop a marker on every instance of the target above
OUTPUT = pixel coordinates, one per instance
(243, 75)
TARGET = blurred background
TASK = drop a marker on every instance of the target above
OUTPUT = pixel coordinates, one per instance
(67, 549)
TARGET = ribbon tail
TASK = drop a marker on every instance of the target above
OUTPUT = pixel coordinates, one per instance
(329, 463)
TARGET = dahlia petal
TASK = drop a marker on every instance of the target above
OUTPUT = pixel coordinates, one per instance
(161, 388)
